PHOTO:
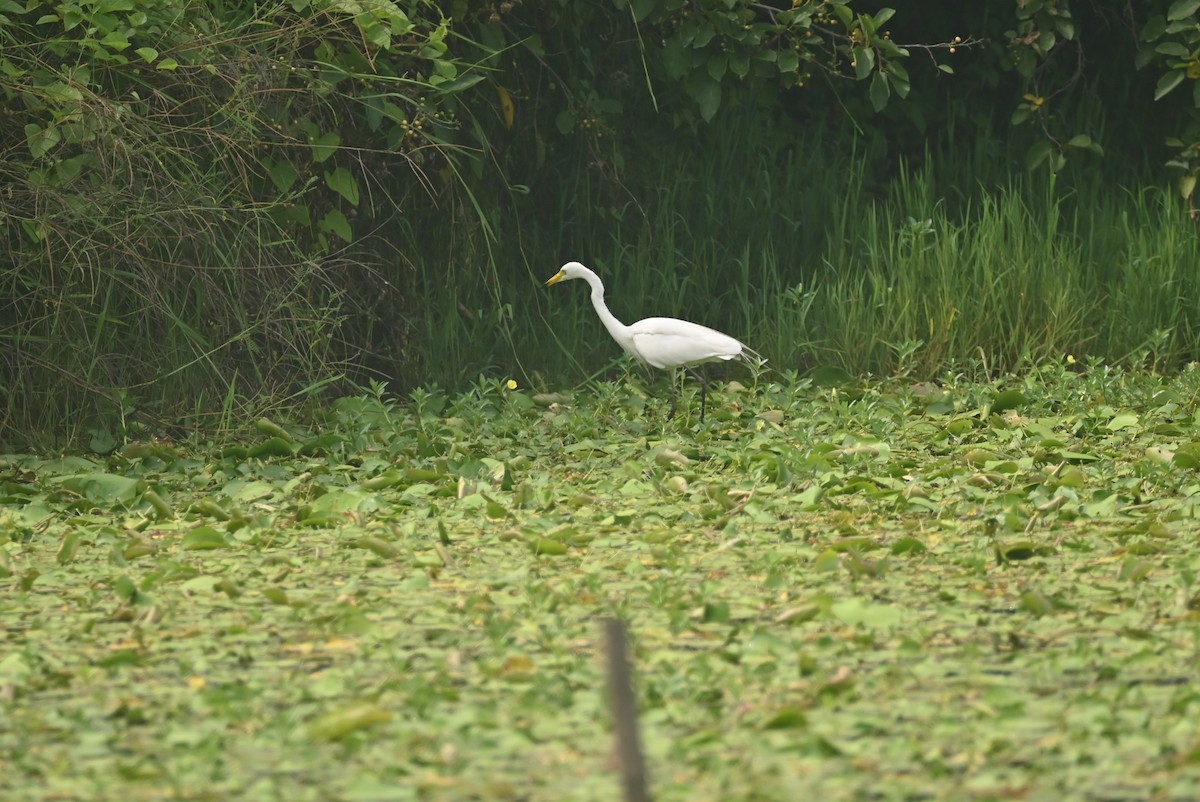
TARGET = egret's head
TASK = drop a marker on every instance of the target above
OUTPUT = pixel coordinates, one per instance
(568, 271)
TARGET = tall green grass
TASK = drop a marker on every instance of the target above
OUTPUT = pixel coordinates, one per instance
(827, 252)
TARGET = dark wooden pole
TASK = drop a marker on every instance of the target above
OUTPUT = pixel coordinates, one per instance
(624, 712)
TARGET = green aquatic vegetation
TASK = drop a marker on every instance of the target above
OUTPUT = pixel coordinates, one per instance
(948, 590)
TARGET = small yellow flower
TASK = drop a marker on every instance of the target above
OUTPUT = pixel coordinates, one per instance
(511, 384)
(1070, 359)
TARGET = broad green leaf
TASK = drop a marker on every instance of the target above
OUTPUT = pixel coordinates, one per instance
(1038, 152)
(880, 91)
(203, 538)
(864, 63)
(346, 720)
(788, 61)
(335, 222)
(377, 546)
(1182, 9)
(1121, 421)
(1173, 49)
(41, 140)
(546, 546)
(324, 146)
(103, 487)
(787, 718)
(283, 175)
(708, 98)
(115, 41)
(860, 612)
(1168, 82)
(343, 182)
(1008, 399)
(62, 93)
(273, 447)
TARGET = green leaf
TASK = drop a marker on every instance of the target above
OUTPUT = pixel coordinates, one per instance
(642, 9)
(108, 488)
(1038, 153)
(1173, 49)
(283, 175)
(62, 93)
(115, 41)
(460, 84)
(69, 547)
(675, 57)
(1187, 184)
(708, 98)
(1038, 603)
(1187, 456)
(162, 510)
(345, 721)
(125, 588)
(41, 140)
(864, 64)
(547, 546)
(716, 66)
(1008, 399)
(1168, 82)
(342, 181)
(377, 546)
(334, 221)
(787, 718)
(1182, 9)
(203, 538)
(324, 146)
(273, 447)
(374, 32)
(1134, 569)
(276, 596)
(880, 92)
(1121, 421)
(856, 611)
(147, 53)
(715, 612)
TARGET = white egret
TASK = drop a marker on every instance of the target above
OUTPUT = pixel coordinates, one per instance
(662, 342)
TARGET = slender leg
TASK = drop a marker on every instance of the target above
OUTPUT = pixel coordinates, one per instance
(703, 391)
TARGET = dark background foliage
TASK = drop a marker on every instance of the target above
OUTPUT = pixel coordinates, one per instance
(211, 209)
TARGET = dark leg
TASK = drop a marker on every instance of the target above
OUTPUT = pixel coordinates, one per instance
(703, 391)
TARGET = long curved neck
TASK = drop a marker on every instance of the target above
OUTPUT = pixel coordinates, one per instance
(616, 328)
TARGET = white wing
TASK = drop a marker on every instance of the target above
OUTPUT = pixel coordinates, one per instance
(666, 342)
